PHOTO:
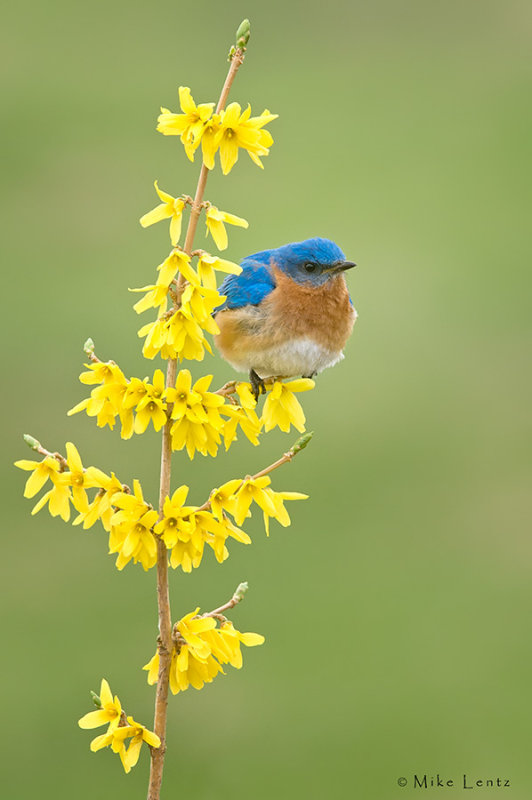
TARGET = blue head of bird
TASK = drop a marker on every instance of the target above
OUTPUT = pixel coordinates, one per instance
(314, 261)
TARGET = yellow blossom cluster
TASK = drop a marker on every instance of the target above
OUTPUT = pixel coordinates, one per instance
(126, 516)
(70, 481)
(172, 208)
(120, 728)
(201, 648)
(228, 132)
(200, 418)
(180, 331)
(133, 524)
(186, 529)
(135, 402)
(130, 529)
(282, 408)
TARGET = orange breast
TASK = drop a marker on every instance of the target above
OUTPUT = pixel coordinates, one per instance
(324, 314)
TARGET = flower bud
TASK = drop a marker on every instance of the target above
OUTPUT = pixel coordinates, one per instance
(96, 700)
(301, 443)
(88, 347)
(242, 34)
(240, 591)
(31, 442)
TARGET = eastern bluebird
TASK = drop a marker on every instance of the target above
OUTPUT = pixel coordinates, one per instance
(288, 312)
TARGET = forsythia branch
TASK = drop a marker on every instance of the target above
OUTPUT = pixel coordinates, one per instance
(163, 600)
(296, 448)
(238, 595)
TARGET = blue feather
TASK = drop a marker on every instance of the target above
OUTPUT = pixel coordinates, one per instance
(254, 283)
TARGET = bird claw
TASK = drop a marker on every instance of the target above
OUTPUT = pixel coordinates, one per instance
(257, 384)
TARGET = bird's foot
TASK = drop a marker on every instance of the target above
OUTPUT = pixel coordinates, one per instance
(309, 376)
(257, 384)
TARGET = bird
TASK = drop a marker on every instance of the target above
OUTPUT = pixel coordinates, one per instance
(288, 313)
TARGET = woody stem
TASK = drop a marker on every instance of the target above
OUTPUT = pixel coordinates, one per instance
(163, 600)
(266, 471)
(236, 62)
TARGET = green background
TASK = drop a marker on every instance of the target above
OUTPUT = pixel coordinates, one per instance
(397, 607)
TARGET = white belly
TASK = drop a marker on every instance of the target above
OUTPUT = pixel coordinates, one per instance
(298, 357)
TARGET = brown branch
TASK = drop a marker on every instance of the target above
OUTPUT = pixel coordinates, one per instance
(240, 591)
(63, 465)
(285, 458)
(229, 388)
(163, 600)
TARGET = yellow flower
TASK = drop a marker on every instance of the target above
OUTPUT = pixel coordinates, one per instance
(157, 294)
(215, 220)
(134, 540)
(225, 643)
(253, 489)
(224, 498)
(138, 734)
(207, 265)
(264, 138)
(152, 406)
(281, 514)
(135, 392)
(189, 125)
(102, 372)
(220, 531)
(109, 713)
(184, 337)
(172, 523)
(116, 739)
(209, 140)
(156, 297)
(185, 530)
(282, 408)
(171, 207)
(130, 534)
(246, 419)
(200, 302)
(131, 506)
(177, 261)
(188, 670)
(238, 130)
(188, 549)
(81, 479)
(40, 472)
(105, 400)
(191, 627)
(246, 396)
(98, 405)
(155, 333)
(153, 669)
(182, 395)
(197, 414)
(58, 499)
(102, 506)
(116, 742)
(198, 662)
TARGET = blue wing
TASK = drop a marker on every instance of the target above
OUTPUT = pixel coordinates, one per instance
(254, 283)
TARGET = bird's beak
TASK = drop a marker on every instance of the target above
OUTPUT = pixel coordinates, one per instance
(341, 266)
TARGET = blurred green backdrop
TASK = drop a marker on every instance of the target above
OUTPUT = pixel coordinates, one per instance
(397, 606)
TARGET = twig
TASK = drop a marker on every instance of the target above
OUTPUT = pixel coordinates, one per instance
(240, 591)
(163, 600)
(301, 443)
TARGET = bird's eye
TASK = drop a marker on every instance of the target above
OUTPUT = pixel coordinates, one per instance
(310, 267)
